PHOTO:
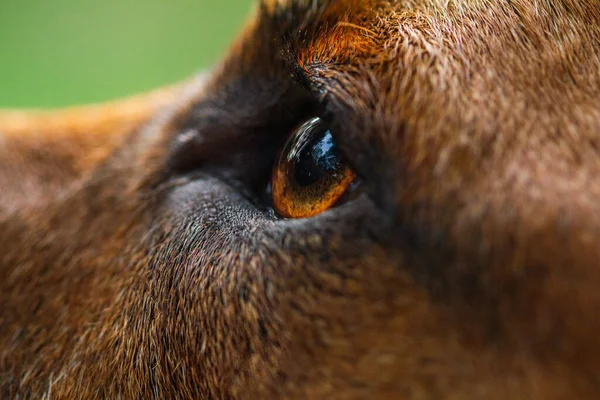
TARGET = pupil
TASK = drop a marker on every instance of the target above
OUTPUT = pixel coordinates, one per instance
(318, 158)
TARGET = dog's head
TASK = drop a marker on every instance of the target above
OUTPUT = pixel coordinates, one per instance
(365, 199)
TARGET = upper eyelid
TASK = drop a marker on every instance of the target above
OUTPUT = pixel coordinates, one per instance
(317, 88)
(335, 110)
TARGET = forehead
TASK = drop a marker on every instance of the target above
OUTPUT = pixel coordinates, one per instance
(479, 67)
(482, 66)
(528, 44)
(435, 55)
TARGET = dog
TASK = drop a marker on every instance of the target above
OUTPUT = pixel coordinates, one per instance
(363, 199)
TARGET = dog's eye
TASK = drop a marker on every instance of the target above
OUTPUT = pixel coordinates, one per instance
(310, 175)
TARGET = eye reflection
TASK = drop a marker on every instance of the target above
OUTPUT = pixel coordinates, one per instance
(310, 175)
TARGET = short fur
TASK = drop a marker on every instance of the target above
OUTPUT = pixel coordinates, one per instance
(139, 259)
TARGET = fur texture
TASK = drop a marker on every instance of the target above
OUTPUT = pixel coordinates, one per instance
(139, 259)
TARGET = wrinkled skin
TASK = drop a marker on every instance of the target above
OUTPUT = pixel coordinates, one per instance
(140, 257)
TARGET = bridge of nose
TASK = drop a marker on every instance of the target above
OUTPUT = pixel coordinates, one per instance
(41, 152)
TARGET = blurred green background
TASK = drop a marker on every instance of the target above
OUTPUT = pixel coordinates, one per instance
(61, 52)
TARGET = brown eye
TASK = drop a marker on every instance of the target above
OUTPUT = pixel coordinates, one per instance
(310, 175)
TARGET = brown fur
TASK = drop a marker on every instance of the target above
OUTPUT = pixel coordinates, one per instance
(138, 262)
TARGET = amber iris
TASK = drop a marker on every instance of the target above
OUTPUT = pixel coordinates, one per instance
(310, 175)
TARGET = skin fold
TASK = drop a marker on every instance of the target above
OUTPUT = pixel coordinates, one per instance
(140, 257)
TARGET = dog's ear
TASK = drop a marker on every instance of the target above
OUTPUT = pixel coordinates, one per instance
(41, 151)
